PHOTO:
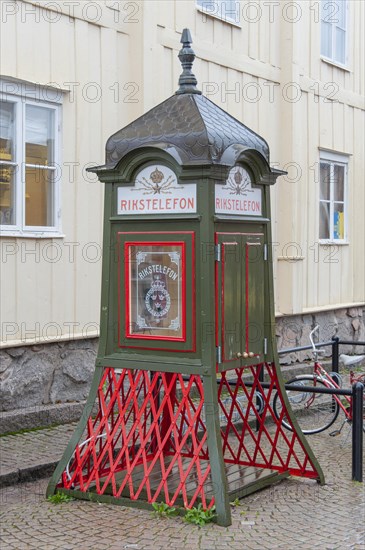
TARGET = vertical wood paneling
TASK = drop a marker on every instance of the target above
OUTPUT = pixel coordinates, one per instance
(222, 34)
(8, 44)
(62, 51)
(314, 44)
(240, 40)
(335, 267)
(355, 53)
(234, 98)
(88, 68)
(111, 87)
(124, 59)
(324, 282)
(313, 130)
(360, 37)
(338, 124)
(165, 13)
(326, 125)
(10, 306)
(33, 35)
(168, 64)
(254, 35)
(130, 89)
(201, 71)
(348, 128)
(185, 14)
(204, 27)
(250, 103)
(264, 42)
(357, 203)
(303, 54)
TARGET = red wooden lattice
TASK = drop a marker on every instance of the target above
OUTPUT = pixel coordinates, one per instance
(264, 443)
(148, 440)
(147, 425)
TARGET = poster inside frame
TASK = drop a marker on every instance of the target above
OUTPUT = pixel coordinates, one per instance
(155, 284)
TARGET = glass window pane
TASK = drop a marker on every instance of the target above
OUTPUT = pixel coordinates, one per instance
(341, 13)
(338, 182)
(326, 39)
(338, 221)
(7, 198)
(324, 220)
(340, 46)
(7, 111)
(230, 10)
(325, 176)
(39, 135)
(39, 196)
(211, 6)
(155, 291)
(226, 9)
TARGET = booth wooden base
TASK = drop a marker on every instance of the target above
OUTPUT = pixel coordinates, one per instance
(242, 481)
(182, 440)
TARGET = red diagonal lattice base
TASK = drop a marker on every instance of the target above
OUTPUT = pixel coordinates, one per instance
(148, 441)
(251, 433)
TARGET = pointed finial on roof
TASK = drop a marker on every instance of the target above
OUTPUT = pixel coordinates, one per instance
(187, 80)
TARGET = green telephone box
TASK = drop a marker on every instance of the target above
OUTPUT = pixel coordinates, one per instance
(187, 318)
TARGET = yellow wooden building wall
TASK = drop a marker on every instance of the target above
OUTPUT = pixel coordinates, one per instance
(254, 69)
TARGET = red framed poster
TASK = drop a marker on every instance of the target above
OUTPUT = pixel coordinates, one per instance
(156, 289)
(155, 297)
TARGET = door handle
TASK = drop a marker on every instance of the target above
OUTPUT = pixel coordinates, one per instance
(245, 354)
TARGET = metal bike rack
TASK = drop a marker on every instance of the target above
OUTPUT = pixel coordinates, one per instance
(357, 394)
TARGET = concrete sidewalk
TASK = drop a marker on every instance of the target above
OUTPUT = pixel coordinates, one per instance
(295, 513)
(30, 455)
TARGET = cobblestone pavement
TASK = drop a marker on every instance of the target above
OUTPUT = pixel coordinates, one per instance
(294, 514)
(26, 455)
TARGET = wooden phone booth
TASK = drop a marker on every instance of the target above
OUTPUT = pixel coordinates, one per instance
(177, 410)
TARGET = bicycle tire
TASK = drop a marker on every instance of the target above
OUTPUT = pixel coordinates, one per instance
(314, 412)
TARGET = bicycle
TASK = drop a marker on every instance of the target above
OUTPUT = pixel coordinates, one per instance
(316, 412)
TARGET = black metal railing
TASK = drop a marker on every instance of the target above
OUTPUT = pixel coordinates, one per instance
(335, 344)
(356, 393)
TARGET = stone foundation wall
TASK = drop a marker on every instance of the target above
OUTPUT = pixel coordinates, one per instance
(39, 375)
(346, 324)
(49, 374)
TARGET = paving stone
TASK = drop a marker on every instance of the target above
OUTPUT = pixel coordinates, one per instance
(296, 513)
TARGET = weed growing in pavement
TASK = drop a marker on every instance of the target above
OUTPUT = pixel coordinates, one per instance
(59, 497)
(198, 516)
(162, 509)
(236, 502)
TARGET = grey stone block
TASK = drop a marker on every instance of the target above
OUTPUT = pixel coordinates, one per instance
(26, 381)
(40, 416)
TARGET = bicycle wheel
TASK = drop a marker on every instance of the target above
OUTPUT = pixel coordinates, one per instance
(315, 412)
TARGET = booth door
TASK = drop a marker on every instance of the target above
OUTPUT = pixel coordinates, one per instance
(240, 297)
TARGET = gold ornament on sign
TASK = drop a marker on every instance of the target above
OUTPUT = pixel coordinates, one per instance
(156, 184)
(156, 176)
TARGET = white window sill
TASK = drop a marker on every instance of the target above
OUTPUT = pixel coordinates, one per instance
(335, 64)
(227, 20)
(332, 242)
(32, 234)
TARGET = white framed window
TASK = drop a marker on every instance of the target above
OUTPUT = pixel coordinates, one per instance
(29, 162)
(334, 30)
(227, 10)
(333, 197)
